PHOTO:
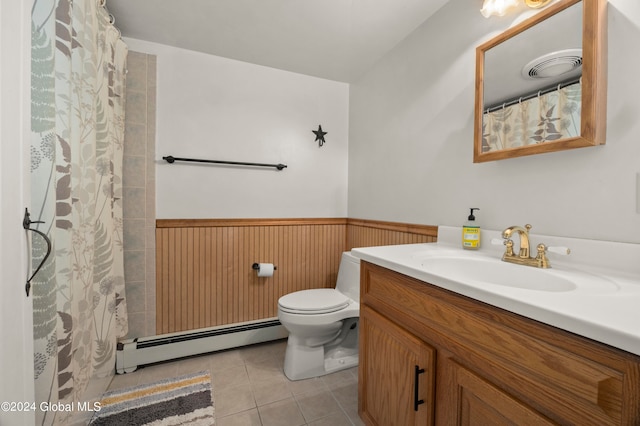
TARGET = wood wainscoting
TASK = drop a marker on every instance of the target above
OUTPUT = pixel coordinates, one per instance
(204, 276)
(370, 233)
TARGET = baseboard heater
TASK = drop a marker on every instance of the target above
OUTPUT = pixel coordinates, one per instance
(133, 353)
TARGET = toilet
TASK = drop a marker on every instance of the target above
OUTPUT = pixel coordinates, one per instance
(323, 325)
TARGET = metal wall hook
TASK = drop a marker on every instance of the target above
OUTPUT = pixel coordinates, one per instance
(26, 224)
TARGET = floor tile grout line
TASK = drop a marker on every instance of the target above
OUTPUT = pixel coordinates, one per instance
(342, 408)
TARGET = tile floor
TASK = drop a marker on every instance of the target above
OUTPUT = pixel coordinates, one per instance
(250, 388)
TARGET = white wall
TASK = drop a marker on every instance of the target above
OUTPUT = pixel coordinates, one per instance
(411, 137)
(216, 108)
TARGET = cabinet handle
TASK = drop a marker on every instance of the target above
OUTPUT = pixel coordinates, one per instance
(416, 387)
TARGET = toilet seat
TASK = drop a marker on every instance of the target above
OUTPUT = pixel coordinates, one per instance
(313, 302)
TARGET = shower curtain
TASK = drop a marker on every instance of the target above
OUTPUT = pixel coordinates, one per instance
(77, 83)
(545, 118)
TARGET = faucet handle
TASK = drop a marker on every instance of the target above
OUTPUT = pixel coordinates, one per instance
(559, 250)
(541, 258)
(507, 242)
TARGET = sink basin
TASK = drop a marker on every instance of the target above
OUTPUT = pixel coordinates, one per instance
(488, 271)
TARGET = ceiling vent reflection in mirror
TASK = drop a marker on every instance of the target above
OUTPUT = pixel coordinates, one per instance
(554, 64)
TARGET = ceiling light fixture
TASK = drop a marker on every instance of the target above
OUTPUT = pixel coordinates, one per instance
(500, 7)
(536, 4)
(497, 7)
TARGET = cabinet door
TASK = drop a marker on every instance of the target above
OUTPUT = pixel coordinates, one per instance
(396, 374)
(478, 402)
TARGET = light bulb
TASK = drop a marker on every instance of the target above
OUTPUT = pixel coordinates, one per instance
(497, 7)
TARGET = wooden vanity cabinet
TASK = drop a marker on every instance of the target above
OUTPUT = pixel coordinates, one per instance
(397, 370)
(480, 365)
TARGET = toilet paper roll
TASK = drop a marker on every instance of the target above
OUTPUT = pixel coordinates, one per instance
(265, 269)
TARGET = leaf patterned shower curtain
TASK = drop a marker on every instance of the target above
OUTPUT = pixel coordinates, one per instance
(78, 72)
(545, 118)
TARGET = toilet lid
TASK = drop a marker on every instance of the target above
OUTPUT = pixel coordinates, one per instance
(315, 301)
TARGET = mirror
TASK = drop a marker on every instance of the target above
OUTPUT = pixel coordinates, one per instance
(541, 93)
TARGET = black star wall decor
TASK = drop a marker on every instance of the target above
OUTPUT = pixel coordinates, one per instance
(320, 135)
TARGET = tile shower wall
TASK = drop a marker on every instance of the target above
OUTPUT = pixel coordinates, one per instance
(139, 194)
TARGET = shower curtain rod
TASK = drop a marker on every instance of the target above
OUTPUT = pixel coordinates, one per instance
(532, 95)
(170, 159)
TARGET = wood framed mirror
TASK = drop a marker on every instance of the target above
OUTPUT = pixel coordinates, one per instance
(517, 119)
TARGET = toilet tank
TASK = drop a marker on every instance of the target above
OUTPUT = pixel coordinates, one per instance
(348, 282)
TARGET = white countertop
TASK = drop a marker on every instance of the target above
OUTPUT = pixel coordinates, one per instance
(608, 313)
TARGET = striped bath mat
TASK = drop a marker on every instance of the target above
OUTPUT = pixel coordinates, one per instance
(184, 400)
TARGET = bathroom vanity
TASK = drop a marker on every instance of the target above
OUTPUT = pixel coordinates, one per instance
(436, 348)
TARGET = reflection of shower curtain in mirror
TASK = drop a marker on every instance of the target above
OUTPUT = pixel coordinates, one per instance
(77, 121)
(545, 118)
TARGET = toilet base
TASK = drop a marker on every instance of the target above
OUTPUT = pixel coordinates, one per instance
(304, 362)
(341, 359)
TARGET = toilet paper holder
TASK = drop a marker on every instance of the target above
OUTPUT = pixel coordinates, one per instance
(256, 266)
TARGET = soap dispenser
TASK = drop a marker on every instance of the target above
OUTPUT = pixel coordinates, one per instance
(471, 232)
